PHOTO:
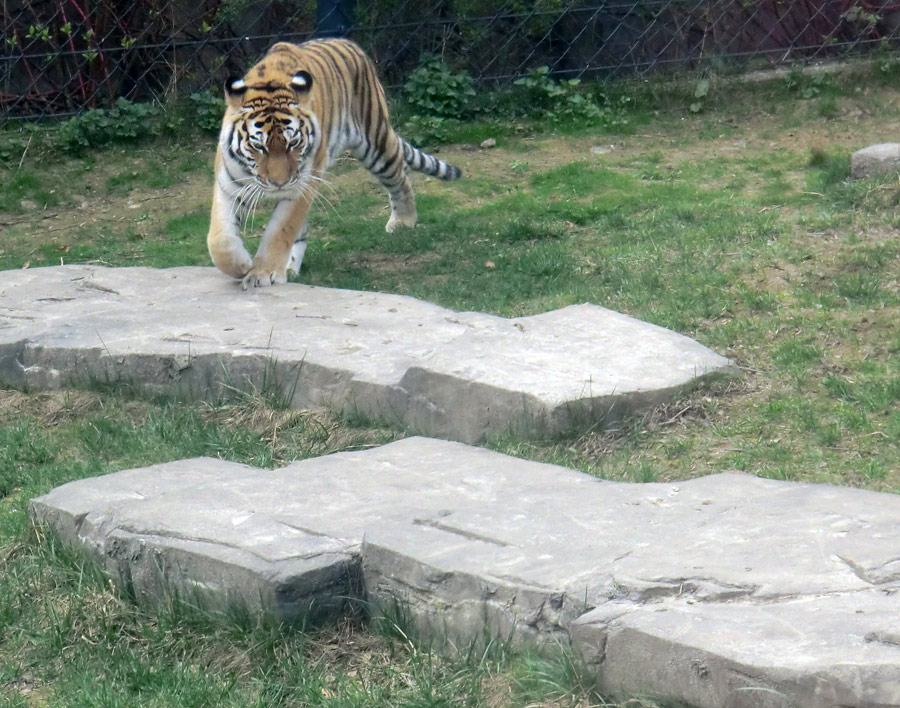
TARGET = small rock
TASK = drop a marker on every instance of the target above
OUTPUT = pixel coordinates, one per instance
(881, 159)
(489, 143)
(602, 149)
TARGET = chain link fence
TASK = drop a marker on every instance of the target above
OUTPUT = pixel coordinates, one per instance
(62, 57)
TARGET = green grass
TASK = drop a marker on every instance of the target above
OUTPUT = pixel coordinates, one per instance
(738, 226)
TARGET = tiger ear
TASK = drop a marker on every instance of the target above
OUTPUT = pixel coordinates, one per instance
(235, 87)
(301, 82)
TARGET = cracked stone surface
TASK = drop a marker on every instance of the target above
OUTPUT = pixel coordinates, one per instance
(461, 376)
(726, 590)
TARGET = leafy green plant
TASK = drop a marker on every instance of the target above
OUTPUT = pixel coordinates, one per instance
(207, 109)
(41, 32)
(126, 122)
(426, 130)
(806, 84)
(860, 16)
(433, 90)
(701, 91)
(560, 101)
(887, 61)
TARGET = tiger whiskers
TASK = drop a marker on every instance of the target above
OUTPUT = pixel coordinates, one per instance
(237, 202)
(240, 203)
(310, 190)
(322, 180)
(255, 196)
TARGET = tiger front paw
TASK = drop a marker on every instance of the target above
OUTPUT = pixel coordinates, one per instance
(231, 259)
(260, 277)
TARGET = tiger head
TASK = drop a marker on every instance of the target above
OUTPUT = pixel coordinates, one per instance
(273, 133)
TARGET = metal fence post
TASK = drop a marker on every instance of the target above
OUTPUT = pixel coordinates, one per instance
(334, 17)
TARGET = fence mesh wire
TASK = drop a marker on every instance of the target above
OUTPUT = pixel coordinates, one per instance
(60, 57)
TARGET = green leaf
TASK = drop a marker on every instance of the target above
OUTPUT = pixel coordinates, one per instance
(702, 89)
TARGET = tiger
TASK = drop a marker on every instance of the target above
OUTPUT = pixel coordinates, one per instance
(286, 121)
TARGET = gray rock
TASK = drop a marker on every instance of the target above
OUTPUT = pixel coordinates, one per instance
(810, 651)
(463, 376)
(726, 590)
(876, 160)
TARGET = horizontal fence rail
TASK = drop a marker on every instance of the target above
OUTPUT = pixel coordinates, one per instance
(62, 57)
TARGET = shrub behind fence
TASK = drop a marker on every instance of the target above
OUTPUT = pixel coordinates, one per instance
(60, 57)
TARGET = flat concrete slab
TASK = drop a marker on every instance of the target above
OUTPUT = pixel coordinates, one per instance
(461, 376)
(727, 590)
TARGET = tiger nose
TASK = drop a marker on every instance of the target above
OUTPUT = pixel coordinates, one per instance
(279, 174)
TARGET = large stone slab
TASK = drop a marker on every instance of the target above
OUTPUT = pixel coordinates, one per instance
(461, 376)
(727, 590)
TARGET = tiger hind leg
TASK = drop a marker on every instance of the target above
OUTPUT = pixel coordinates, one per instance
(389, 168)
(403, 204)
